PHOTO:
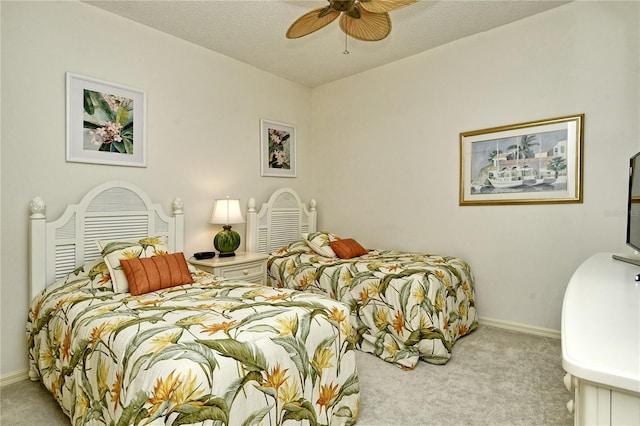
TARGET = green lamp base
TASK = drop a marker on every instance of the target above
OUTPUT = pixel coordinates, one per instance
(226, 241)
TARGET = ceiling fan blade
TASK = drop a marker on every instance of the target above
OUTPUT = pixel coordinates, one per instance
(370, 26)
(379, 6)
(312, 21)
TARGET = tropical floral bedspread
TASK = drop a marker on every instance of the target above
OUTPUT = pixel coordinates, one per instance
(404, 306)
(218, 352)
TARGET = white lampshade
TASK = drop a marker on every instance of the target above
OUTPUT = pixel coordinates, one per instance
(226, 212)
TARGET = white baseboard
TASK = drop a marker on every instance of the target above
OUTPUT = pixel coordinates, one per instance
(14, 377)
(538, 331)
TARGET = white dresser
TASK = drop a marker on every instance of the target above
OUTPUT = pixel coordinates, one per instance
(601, 342)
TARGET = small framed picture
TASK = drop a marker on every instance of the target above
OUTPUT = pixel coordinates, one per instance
(105, 123)
(537, 162)
(277, 149)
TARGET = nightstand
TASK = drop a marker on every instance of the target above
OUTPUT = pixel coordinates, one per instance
(244, 266)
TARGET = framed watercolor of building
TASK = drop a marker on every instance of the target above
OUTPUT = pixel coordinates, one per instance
(528, 163)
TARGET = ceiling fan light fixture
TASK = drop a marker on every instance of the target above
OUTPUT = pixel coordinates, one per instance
(342, 5)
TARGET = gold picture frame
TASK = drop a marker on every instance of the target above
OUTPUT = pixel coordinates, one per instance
(536, 162)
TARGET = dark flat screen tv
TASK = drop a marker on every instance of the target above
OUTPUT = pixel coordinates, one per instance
(633, 212)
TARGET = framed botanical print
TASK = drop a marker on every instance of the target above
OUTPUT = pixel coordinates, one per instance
(105, 123)
(277, 149)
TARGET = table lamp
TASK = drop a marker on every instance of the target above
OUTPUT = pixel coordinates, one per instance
(226, 212)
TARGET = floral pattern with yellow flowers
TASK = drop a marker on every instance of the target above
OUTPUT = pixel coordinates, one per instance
(404, 306)
(245, 354)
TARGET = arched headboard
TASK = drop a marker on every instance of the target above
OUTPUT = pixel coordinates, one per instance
(279, 222)
(113, 210)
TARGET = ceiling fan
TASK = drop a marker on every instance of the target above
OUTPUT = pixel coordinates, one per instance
(366, 20)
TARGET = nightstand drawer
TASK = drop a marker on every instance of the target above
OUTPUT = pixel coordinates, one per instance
(244, 271)
(246, 266)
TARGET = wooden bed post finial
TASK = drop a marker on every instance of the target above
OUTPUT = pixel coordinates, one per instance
(178, 206)
(37, 207)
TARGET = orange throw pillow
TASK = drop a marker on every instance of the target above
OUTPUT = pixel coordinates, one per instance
(155, 273)
(347, 248)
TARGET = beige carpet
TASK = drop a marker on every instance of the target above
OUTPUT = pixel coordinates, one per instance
(496, 377)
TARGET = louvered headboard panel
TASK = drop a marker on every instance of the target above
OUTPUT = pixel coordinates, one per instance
(111, 211)
(279, 222)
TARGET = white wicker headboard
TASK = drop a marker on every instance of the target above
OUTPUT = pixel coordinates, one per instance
(279, 222)
(113, 210)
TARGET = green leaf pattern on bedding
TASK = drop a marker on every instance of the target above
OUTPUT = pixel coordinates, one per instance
(218, 352)
(404, 306)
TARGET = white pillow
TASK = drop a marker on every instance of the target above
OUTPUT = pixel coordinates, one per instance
(114, 250)
(319, 242)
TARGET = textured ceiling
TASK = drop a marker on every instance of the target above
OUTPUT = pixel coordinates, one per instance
(254, 31)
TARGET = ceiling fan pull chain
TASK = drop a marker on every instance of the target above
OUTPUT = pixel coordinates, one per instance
(346, 50)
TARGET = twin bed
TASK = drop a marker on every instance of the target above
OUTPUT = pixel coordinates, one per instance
(404, 306)
(199, 349)
(211, 352)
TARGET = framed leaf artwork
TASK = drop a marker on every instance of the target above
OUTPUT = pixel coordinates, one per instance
(277, 149)
(105, 123)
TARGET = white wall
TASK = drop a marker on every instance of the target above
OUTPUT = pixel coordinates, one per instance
(202, 121)
(386, 151)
